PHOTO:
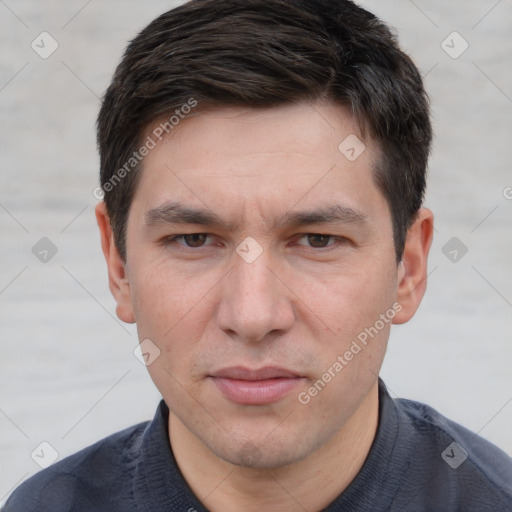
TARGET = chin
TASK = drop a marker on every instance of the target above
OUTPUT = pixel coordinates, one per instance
(251, 457)
(263, 452)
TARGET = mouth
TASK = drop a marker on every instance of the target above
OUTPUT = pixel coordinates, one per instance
(255, 387)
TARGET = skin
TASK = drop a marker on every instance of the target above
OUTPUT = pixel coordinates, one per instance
(298, 306)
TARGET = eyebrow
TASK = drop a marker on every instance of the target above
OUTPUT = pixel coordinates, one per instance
(176, 213)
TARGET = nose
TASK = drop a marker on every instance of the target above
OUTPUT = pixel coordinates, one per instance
(255, 301)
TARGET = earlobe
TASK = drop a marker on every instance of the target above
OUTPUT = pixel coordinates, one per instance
(412, 270)
(118, 281)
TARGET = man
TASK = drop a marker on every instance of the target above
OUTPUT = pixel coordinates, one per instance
(263, 164)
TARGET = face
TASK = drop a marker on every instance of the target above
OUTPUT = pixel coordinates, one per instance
(261, 267)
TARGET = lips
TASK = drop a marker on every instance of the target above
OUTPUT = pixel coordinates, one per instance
(255, 387)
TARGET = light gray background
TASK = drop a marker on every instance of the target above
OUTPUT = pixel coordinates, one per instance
(67, 372)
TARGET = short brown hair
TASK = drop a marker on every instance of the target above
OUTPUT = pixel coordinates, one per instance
(264, 53)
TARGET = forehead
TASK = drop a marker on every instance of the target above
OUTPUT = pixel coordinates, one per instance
(261, 158)
(306, 128)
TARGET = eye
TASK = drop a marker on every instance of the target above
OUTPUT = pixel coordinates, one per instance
(191, 240)
(320, 241)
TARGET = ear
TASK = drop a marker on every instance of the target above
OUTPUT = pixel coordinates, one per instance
(412, 271)
(117, 278)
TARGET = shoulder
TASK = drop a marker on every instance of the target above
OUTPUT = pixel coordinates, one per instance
(85, 480)
(470, 470)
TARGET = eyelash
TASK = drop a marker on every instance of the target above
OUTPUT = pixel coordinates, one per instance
(338, 240)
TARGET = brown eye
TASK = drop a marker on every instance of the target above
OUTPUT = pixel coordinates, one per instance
(319, 241)
(195, 239)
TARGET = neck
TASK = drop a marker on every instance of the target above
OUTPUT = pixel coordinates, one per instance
(310, 484)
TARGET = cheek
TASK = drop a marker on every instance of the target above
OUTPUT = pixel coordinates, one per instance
(171, 310)
(348, 301)
(166, 291)
(356, 310)
(171, 307)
